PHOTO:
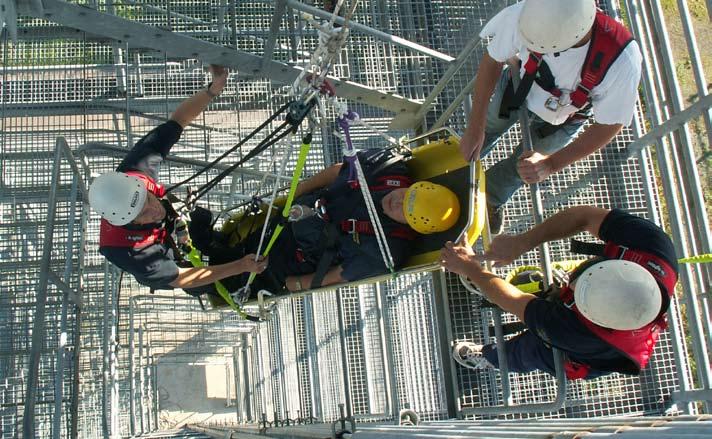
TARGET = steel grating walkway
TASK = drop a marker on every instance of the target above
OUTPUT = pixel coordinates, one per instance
(376, 349)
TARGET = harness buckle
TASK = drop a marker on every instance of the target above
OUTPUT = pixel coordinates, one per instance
(622, 252)
(353, 230)
(320, 209)
(552, 103)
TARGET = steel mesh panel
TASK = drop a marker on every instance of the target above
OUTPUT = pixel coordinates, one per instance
(57, 81)
(415, 344)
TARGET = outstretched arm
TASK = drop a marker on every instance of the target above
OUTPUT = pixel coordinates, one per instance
(319, 180)
(534, 167)
(191, 108)
(200, 276)
(506, 248)
(488, 73)
(461, 260)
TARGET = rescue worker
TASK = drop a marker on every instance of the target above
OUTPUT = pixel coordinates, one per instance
(606, 319)
(137, 231)
(331, 239)
(577, 64)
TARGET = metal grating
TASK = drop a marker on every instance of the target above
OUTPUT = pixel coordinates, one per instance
(60, 82)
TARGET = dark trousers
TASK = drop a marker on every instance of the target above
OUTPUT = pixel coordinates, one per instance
(526, 352)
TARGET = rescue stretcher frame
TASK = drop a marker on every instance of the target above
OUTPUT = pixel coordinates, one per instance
(422, 168)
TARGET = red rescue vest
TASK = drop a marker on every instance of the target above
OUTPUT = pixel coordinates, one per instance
(118, 236)
(636, 345)
(608, 40)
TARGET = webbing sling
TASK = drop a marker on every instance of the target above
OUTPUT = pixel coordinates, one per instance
(327, 249)
(301, 161)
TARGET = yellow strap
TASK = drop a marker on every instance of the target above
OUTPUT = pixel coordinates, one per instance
(301, 161)
(699, 259)
(195, 259)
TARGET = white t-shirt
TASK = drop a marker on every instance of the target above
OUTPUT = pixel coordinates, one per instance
(613, 99)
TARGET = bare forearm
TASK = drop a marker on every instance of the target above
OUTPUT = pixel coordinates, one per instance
(488, 73)
(200, 276)
(503, 294)
(566, 223)
(319, 180)
(591, 140)
(191, 108)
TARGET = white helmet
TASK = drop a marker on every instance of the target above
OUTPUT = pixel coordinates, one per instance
(618, 294)
(117, 197)
(549, 26)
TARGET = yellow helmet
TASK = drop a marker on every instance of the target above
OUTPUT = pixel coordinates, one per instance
(430, 208)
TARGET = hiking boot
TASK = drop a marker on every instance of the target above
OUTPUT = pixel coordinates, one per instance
(469, 355)
(496, 219)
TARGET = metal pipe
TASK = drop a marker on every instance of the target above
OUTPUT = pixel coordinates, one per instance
(141, 381)
(382, 315)
(38, 327)
(696, 63)
(636, 15)
(704, 236)
(503, 365)
(280, 7)
(344, 355)
(674, 122)
(398, 41)
(695, 326)
(62, 344)
(132, 403)
(105, 423)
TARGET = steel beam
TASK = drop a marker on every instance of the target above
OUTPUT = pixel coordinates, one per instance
(398, 41)
(38, 329)
(280, 6)
(675, 121)
(174, 45)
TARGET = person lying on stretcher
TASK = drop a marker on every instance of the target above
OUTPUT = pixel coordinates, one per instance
(330, 238)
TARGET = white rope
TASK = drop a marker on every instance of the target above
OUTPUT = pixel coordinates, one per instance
(373, 216)
(287, 154)
(331, 40)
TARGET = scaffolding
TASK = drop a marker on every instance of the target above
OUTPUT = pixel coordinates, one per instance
(88, 352)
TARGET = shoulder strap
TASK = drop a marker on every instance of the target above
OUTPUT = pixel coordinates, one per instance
(661, 270)
(151, 185)
(608, 40)
(525, 85)
(328, 240)
(657, 266)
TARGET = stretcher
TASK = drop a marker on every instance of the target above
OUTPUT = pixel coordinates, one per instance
(439, 161)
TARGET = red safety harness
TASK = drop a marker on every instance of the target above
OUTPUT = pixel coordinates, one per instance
(609, 39)
(636, 345)
(118, 236)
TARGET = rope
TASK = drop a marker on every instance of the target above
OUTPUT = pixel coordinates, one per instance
(356, 173)
(331, 40)
(271, 205)
(231, 150)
